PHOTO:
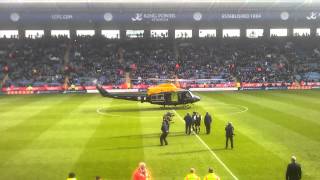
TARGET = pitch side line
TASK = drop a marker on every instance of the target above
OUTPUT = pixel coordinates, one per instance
(210, 150)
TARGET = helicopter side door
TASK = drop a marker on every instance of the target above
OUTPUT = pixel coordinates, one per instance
(174, 97)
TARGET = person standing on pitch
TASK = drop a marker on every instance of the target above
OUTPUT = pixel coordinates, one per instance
(293, 170)
(141, 173)
(198, 123)
(72, 176)
(188, 122)
(165, 132)
(193, 122)
(192, 175)
(211, 175)
(229, 134)
(207, 122)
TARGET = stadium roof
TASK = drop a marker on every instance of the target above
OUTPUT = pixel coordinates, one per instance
(161, 1)
(93, 5)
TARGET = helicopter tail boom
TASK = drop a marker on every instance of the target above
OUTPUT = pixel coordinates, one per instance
(137, 96)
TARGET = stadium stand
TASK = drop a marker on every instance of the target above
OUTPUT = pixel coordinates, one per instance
(48, 60)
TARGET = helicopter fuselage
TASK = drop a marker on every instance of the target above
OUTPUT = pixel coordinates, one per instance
(180, 97)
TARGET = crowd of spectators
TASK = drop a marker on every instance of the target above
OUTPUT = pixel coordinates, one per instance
(56, 60)
(28, 61)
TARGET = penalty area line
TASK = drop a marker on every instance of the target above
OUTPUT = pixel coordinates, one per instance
(210, 150)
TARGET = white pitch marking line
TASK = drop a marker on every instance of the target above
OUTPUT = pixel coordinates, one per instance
(233, 113)
(210, 150)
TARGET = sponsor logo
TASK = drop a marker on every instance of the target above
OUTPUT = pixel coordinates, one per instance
(313, 16)
(155, 17)
(138, 17)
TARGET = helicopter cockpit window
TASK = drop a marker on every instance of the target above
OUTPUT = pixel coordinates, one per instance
(188, 94)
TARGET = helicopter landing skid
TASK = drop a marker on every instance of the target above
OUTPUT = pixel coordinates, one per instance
(187, 106)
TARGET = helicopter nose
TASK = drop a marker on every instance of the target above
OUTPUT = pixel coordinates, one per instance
(196, 98)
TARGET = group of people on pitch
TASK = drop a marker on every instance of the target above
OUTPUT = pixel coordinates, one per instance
(193, 123)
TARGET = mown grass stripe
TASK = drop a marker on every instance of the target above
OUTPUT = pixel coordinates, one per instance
(300, 101)
(33, 127)
(109, 147)
(43, 149)
(17, 113)
(280, 117)
(285, 106)
(10, 104)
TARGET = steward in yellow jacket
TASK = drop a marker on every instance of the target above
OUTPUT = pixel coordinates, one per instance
(192, 175)
(211, 175)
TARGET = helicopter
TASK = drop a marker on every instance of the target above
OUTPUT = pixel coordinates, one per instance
(163, 94)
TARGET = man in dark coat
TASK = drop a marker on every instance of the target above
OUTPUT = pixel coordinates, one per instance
(198, 123)
(229, 134)
(188, 122)
(165, 132)
(293, 170)
(207, 122)
(193, 123)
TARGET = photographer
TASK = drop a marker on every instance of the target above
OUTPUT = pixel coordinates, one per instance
(165, 132)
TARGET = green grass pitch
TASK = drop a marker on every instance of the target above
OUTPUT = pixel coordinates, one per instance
(47, 136)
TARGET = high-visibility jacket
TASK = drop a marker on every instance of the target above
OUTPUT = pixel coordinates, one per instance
(211, 176)
(192, 176)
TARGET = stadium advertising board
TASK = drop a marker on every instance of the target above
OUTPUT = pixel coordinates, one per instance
(157, 17)
(196, 87)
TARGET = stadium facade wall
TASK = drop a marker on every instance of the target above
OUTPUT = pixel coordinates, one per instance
(73, 19)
